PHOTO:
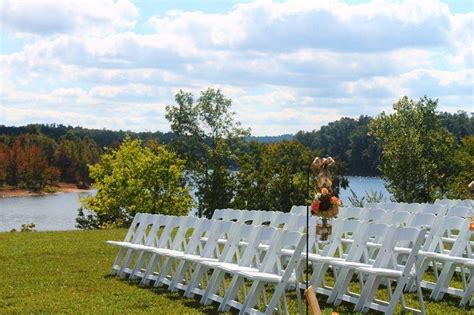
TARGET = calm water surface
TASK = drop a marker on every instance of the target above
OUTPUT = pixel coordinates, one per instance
(50, 212)
(58, 211)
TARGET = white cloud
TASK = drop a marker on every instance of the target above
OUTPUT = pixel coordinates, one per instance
(50, 17)
(267, 26)
(287, 66)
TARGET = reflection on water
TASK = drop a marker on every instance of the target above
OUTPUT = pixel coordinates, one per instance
(59, 211)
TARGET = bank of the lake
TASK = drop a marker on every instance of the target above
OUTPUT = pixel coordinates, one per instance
(20, 192)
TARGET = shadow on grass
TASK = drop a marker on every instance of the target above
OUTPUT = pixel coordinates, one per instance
(172, 296)
(344, 308)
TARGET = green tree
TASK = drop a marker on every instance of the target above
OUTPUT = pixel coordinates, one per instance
(347, 141)
(208, 138)
(463, 170)
(416, 150)
(132, 179)
(72, 156)
(272, 176)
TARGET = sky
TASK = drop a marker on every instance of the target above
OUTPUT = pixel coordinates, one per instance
(287, 65)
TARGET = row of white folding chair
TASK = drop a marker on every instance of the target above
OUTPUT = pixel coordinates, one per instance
(256, 217)
(441, 252)
(409, 207)
(456, 202)
(136, 236)
(384, 263)
(191, 253)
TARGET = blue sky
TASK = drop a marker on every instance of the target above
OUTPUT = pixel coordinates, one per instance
(287, 65)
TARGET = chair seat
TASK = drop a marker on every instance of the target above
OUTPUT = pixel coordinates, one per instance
(469, 262)
(229, 267)
(196, 258)
(381, 272)
(140, 247)
(118, 243)
(319, 258)
(439, 256)
(167, 252)
(350, 264)
(262, 276)
(210, 263)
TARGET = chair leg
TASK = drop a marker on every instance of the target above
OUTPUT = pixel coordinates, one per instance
(231, 293)
(138, 265)
(128, 259)
(443, 281)
(368, 292)
(212, 286)
(420, 294)
(150, 268)
(178, 276)
(277, 294)
(117, 260)
(468, 291)
(195, 279)
(340, 286)
(395, 297)
(163, 272)
(252, 297)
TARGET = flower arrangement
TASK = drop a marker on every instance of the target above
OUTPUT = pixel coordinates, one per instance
(325, 205)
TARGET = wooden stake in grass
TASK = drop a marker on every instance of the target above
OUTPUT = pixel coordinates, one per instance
(312, 301)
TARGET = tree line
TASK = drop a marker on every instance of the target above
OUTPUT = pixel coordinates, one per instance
(35, 161)
(421, 153)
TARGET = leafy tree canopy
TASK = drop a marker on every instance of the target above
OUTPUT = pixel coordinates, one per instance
(416, 150)
(135, 178)
(208, 138)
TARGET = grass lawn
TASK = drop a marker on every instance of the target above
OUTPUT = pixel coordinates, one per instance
(67, 272)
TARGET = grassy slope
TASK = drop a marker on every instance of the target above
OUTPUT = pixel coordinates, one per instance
(67, 272)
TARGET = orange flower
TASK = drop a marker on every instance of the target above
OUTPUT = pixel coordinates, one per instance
(324, 191)
(335, 200)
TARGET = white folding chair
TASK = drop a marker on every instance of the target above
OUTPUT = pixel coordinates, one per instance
(463, 212)
(274, 270)
(358, 256)
(135, 235)
(350, 213)
(250, 217)
(459, 255)
(373, 215)
(160, 240)
(210, 252)
(229, 255)
(299, 210)
(387, 267)
(335, 250)
(218, 214)
(433, 209)
(158, 265)
(399, 218)
(437, 247)
(232, 215)
(249, 260)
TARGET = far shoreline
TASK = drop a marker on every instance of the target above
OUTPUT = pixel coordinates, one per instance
(7, 192)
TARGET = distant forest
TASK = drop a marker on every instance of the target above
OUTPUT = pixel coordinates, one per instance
(38, 155)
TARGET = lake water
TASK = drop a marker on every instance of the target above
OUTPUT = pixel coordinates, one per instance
(50, 212)
(58, 211)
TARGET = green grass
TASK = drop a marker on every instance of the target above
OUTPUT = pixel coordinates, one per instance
(68, 272)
